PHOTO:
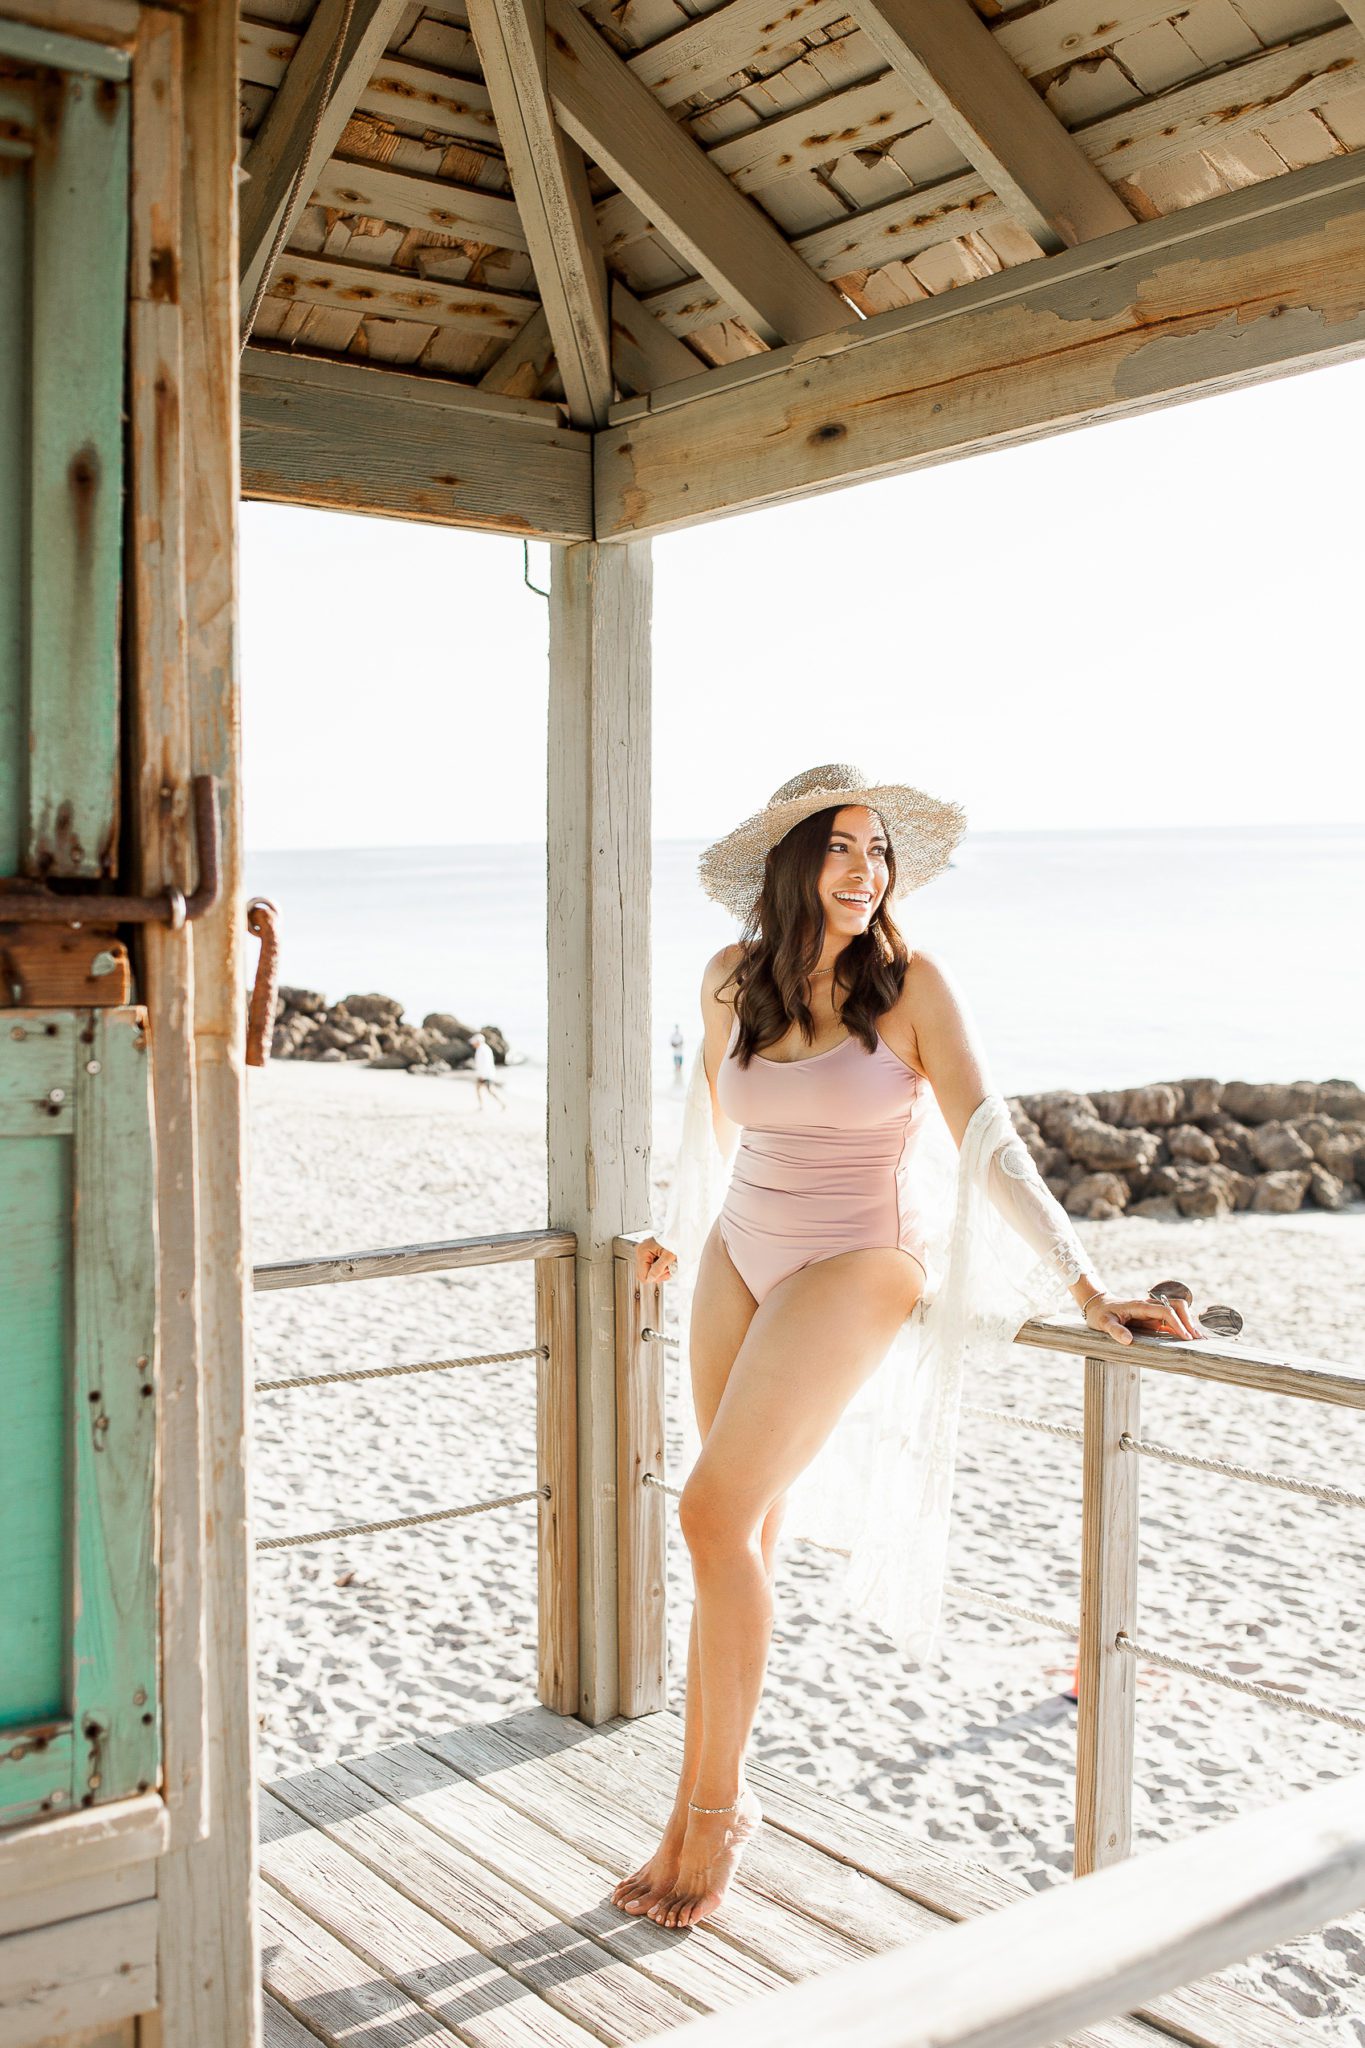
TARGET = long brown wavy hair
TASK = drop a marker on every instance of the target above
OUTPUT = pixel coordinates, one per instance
(782, 937)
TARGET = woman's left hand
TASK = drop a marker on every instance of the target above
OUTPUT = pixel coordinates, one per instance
(1112, 1317)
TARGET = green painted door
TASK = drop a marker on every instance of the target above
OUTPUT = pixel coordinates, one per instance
(78, 1648)
(78, 1538)
(64, 139)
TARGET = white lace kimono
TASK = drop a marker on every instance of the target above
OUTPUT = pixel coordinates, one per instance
(1000, 1249)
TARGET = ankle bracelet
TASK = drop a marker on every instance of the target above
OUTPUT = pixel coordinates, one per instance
(693, 1806)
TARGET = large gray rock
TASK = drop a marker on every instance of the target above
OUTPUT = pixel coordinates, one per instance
(1279, 1194)
(1097, 1196)
(1263, 1102)
(1342, 1099)
(1278, 1146)
(1188, 1142)
(1326, 1189)
(456, 1052)
(1203, 1098)
(373, 1009)
(1103, 1147)
(1161, 1102)
(1155, 1205)
(1213, 1190)
(497, 1041)
(306, 1000)
(442, 1024)
(1058, 1111)
(1233, 1140)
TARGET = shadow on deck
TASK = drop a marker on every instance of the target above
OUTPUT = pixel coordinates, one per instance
(458, 1887)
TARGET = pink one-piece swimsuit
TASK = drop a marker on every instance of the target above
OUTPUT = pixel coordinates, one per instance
(823, 1159)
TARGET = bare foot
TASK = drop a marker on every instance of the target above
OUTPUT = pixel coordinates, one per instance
(655, 1878)
(711, 1851)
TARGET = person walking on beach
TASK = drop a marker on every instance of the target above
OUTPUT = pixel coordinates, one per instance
(676, 1041)
(824, 1036)
(484, 1070)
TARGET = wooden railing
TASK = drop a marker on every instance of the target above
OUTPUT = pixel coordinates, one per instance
(1111, 1449)
(555, 1353)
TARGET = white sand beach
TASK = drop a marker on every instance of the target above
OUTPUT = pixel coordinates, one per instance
(363, 1641)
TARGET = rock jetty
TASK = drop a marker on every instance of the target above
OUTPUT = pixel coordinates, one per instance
(371, 1031)
(1198, 1148)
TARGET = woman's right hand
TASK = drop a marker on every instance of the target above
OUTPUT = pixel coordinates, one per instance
(654, 1263)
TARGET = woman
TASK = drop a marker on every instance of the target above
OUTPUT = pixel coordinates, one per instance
(823, 1037)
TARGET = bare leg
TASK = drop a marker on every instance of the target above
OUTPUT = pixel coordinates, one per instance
(806, 1352)
(722, 1309)
(657, 1876)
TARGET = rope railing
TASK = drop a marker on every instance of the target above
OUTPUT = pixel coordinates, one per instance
(477, 1507)
(393, 1372)
(1292, 1702)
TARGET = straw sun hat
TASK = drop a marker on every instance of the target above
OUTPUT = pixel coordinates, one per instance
(924, 830)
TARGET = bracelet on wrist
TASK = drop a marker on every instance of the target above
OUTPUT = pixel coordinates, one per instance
(1099, 1291)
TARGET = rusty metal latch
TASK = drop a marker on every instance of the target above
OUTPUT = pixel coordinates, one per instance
(39, 903)
(262, 921)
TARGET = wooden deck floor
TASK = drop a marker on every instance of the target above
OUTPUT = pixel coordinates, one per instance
(458, 1887)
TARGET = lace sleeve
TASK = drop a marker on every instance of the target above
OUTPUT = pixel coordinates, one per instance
(1023, 1198)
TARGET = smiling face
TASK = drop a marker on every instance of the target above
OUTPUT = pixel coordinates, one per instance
(855, 873)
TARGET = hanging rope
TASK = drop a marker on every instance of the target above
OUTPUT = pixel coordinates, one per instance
(1337, 1495)
(478, 1507)
(286, 220)
(1033, 1422)
(393, 1372)
(973, 1596)
(1289, 1701)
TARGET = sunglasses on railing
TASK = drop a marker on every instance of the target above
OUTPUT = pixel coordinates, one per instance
(1217, 1320)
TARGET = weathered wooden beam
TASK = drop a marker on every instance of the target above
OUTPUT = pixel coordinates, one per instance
(551, 190)
(1244, 287)
(597, 1082)
(209, 1989)
(980, 99)
(370, 440)
(737, 248)
(410, 201)
(519, 370)
(644, 352)
(1232, 101)
(163, 849)
(1107, 1689)
(398, 295)
(416, 94)
(305, 120)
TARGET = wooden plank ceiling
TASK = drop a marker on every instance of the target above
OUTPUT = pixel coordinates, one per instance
(583, 205)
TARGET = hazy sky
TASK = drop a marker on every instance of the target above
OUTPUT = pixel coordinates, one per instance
(1156, 621)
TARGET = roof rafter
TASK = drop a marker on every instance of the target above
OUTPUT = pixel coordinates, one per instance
(645, 353)
(550, 186)
(980, 98)
(736, 247)
(272, 165)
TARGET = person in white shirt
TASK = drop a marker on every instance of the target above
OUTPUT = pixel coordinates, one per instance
(484, 1068)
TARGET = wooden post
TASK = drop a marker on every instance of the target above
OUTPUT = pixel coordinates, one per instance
(209, 1988)
(598, 1100)
(1109, 1559)
(641, 1527)
(557, 1468)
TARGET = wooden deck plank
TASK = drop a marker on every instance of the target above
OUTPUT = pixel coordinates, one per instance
(362, 1862)
(458, 1887)
(777, 1930)
(811, 1883)
(640, 1779)
(324, 1986)
(1212, 2015)
(281, 2029)
(705, 1970)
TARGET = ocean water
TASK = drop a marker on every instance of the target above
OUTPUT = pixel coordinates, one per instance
(1088, 959)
